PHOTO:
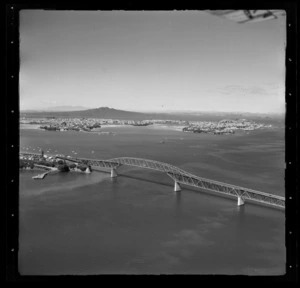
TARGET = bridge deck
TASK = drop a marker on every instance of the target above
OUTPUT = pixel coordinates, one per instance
(181, 176)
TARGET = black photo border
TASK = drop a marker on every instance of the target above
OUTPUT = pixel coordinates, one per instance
(12, 134)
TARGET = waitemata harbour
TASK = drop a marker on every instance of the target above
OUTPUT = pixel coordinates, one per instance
(136, 223)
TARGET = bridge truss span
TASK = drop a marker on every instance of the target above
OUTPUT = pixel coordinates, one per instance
(180, 177)
(186, 178)
(148, 164)
(230, 190)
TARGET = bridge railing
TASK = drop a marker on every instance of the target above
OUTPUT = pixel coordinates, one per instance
(164, 167)
(183, 177)
(231, 190)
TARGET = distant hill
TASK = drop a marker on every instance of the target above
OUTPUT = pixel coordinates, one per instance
(102, 112)
(110, 113)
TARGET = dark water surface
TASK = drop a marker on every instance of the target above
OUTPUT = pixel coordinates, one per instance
(91, 224)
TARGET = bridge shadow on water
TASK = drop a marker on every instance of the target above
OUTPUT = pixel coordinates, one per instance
(145, 179)
(170, 185)
(168, 182)
(178, 200)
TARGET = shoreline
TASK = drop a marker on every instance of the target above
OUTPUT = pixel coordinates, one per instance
(103, 131)
(52, 171)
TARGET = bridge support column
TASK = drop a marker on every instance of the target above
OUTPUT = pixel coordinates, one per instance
(113, 173)
(177, 187)
(240, 201)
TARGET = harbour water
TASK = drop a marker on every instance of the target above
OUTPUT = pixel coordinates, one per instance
(135, 224)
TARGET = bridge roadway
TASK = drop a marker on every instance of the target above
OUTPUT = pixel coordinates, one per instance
(180, 177)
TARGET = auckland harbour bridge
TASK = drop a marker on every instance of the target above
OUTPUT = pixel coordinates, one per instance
(179, 177)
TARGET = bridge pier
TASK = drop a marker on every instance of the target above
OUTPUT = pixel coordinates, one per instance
(240, 201)
(113, 173)
(176, 187)
(178, 176)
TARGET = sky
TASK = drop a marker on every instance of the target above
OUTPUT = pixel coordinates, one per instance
(151, 61)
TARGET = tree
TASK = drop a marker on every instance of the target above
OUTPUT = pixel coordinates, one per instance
(81, 167)
(72, 166)
(63, 168)
(42, 162)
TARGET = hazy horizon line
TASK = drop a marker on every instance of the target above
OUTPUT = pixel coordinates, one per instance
(48, 109)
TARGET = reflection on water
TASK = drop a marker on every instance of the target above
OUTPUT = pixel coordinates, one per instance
(178, 206)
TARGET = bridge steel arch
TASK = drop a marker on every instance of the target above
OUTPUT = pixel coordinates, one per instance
(182, 177)
(186, 178)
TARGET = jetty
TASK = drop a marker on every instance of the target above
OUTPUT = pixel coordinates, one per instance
(41, 176)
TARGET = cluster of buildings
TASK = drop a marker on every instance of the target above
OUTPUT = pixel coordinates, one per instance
(91, 124)
(71, 124)
(64, 124)
(50, 162)
(223, 126)
(88, 124)
(39, 157)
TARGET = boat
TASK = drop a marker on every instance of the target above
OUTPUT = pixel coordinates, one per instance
(39, 176)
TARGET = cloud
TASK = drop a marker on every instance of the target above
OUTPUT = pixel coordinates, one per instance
(240, 89)
(51, 102)
(264, 89)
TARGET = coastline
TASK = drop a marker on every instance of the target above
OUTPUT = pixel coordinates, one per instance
(37, 169)
(103, 130)
(52, 171)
